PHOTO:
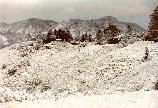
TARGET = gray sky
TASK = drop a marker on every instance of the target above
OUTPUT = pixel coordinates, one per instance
(136, 11)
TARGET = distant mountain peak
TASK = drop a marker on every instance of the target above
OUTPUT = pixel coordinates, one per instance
(107, 18)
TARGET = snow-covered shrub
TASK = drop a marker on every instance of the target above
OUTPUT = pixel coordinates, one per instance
(12, 71)
(83, 45)
(146, 57)
(32, 84)
(130, 38)
(4, 66)
(45, 87)
(23, 54)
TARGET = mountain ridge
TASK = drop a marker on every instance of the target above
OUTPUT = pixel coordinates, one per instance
(18, 31)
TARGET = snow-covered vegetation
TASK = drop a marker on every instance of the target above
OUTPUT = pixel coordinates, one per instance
(59, 69)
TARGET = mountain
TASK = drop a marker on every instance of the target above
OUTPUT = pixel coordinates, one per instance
(77, 27)
(18, 31)
(32, 25)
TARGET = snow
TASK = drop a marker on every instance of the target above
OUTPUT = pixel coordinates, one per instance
(94, 76)
(118, 100)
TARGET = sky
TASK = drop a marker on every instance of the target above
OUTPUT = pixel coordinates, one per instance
(135, 11)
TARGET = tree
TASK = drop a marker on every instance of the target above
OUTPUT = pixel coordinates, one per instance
(90, 38)
(84, 37)
(49, 37)
(68, 36)
(153, 26)
(128, 35)
(63, 34)
(111, 31)
(99, 37)
(50, 33)
(55, 32)
(129, 30)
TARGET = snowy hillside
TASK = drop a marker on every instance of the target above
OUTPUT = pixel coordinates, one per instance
(31, 71)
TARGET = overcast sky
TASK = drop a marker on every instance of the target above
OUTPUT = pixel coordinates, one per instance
(136, 11)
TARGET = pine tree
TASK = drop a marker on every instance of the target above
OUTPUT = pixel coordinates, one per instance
(99, 37)
(129, 29)
(111, 31)
(153, 26)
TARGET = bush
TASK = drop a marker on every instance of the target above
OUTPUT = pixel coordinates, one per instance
(113, 41)
(45, 87)
(4, 66)
(23, 54)
(146, 57)
(83, 45)
(31, 85)
(12, 71)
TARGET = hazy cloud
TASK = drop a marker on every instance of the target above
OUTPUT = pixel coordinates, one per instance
(136, 11)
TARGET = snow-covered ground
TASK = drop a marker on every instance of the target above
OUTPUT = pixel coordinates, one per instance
(141, 99)
(94, 76)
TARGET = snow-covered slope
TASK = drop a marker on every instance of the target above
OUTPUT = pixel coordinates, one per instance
(30, 71)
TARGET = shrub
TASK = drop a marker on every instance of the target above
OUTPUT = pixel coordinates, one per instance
(12, 71)
(45, 88)
(146, 57)
(83, 45)
(31, 85)
(23, 54)
(113, 41)
(4, 66)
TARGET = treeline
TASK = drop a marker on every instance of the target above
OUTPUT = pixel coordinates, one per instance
(61, 34)
(106, 35)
